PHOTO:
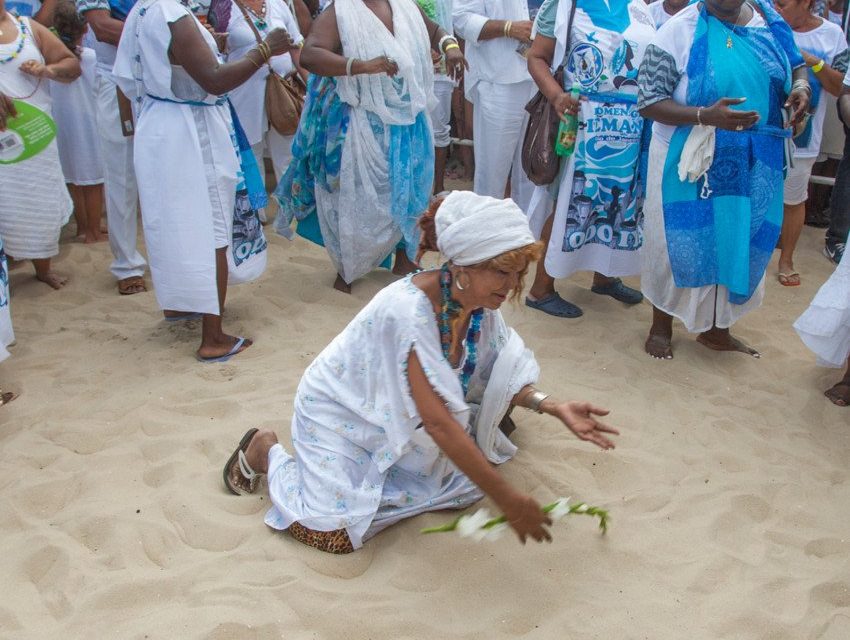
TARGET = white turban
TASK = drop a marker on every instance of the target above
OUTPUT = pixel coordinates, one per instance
(472, 228)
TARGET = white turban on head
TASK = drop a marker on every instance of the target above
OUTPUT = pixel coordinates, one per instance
(472, 228)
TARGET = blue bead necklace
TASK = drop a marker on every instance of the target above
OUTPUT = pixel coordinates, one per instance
(450, 309)
(22, 28)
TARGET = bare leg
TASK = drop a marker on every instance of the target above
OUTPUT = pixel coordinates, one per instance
(403, 265)
(839, 394)
(659, 342)
(214, 342)
(792, 225)
(341, 285)
(257, 453)
(93, 197)
(544, 284)
(43, 273)
(440, 155)
(721, 340)
(80, 217)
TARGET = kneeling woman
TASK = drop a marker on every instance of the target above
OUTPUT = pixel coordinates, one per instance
(383, 416)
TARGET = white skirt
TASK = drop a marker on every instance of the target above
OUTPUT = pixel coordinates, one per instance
(34, 205)
(699, 308)
(825, 326)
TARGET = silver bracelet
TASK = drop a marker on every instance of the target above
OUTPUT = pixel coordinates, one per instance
(535, 399)
(699, 112)
(348, 65)
(801, 84)
(448, 36)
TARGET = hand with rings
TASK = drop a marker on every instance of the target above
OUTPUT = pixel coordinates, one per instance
(455, 63)
(382, 64)
(565, 105)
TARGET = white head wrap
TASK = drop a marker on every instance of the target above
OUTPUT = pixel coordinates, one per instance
(472, 228)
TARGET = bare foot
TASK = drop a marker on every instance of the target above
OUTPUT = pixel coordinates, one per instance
(839, 394)
(53, 279)
(659, 346)
(721, 340)
(94, 238)
(222, 347)
(168, 313)
(341, 285)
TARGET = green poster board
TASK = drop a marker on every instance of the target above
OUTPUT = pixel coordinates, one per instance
(26, 135)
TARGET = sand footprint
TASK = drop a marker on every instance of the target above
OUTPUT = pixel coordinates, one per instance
(825, 547)
(48, 568)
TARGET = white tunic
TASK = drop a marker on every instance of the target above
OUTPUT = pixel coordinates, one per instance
(77, 134)
(34, 201)
(825, 325)
(362, 459)
(7, 335)
(249, 99)
(186, 165)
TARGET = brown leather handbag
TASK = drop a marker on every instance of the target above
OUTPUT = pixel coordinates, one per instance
(539, 160)
(284, 95)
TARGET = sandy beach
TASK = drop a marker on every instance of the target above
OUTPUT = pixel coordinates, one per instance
(729, 488)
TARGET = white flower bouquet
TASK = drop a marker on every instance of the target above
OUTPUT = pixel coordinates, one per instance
(480, 526)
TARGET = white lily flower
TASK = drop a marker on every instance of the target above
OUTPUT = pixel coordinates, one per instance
(470, 526)
(561, 509)
(495, 532)
(582, 508)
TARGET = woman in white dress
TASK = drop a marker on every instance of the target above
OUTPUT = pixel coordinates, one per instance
(249, 98)
(401, 413)
(34, 202)
(186, 161)
(77, 135)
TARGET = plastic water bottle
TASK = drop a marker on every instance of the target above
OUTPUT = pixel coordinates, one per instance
(565, 141)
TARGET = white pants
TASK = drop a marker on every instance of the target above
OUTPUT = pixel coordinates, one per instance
(279, 149)
(499, 120)
(122, 194)
(441, 113)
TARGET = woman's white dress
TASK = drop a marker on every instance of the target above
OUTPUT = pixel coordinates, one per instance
(362, 459)
(77, 135)
(249, 99)
(7, 335)
(34, 201)
(825, 326)
(185, 160)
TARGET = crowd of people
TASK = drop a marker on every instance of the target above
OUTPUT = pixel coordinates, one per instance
(700, 125)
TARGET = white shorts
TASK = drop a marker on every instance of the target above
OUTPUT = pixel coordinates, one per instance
(797, 181)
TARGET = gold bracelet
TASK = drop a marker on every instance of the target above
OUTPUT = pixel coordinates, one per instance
(451, 46)
(508, 26)
(255, 63)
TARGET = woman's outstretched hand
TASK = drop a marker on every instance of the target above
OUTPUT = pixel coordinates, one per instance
(7, 110)
(579, 418)
(721, 116)
(526, 517)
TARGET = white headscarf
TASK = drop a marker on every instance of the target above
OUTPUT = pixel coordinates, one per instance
(472, 228)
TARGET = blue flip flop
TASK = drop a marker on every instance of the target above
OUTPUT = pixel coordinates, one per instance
(227, 356)
(555, 305)
(188, 316)
(617, 290)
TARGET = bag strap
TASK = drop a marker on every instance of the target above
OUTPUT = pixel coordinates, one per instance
(570, 21)
(253, 27)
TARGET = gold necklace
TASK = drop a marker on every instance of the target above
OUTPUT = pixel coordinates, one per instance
(729, 32)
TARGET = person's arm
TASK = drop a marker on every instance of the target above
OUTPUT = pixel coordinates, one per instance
(844, 105)
(471, 23)
(577, 416)
(322, 55)
(800, 96)
(302, 16)
(524, 514)
(455, 62)
(106, 28)
(190, 51)
(59, 63)
(539, 66)
(45, 14)
(7, 110)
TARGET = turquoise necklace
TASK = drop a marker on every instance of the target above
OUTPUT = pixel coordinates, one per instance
(259, 20)
(449, 309)
(22, 28)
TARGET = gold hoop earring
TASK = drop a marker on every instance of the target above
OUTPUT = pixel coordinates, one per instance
(460, 287)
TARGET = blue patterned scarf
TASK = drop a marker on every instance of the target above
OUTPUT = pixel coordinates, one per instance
(724, 232)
